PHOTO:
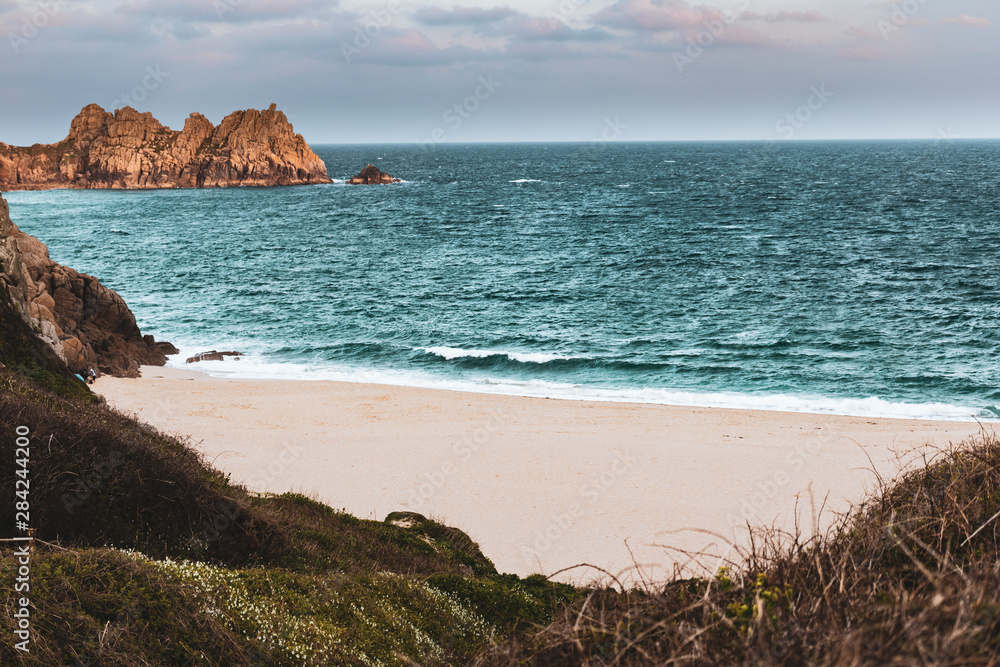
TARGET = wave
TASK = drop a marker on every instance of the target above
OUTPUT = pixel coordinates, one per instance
(450, 353)
(251, 368)
(258, 366)
(526, 180)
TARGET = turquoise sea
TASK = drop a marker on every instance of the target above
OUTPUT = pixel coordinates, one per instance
(855, 278)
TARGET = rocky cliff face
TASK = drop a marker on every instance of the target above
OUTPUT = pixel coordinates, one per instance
(85, 323)
(128, 149)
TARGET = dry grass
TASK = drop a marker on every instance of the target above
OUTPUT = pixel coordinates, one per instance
(911, 576)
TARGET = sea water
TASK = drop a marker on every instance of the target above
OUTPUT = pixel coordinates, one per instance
(853, 278)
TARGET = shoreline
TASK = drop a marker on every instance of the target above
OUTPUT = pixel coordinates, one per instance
(541, 484)
(872, 407)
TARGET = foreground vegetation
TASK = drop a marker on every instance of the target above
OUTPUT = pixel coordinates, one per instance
(912, 576)
(150, 557)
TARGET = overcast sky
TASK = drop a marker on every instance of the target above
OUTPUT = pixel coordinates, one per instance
(394, 71)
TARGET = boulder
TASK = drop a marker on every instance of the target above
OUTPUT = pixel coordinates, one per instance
(213, 356)
(371, 175)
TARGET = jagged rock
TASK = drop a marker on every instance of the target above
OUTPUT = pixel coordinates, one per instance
(128, 149)
(213, 356)
(371, 175)
(85, 323)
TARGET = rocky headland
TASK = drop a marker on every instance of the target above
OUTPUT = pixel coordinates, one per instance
(371, 175)
(128, 149)
(86, 324)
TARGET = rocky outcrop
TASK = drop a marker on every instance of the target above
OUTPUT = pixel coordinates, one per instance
(85, 323)
(213, 356)
(128, 149)
(371, 175)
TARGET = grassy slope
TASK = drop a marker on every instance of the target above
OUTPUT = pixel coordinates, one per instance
(220, 576)
(169, 561)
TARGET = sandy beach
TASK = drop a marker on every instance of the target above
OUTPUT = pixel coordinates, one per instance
(540, 484)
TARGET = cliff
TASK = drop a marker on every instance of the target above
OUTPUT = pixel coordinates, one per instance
(82, 321)
(128, 149)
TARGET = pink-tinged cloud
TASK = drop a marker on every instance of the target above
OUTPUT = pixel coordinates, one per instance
(811, 16)
(965, 19)
(659, 15)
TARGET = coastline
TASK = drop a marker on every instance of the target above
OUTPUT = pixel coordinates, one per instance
(540, 484)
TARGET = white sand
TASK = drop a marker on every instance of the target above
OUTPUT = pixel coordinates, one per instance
(540, 484)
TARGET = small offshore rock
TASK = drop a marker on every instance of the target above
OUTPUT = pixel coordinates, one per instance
(213, 355)
(371, 175)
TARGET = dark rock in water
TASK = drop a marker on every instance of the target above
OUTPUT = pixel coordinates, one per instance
(86, 324)
(371, 175)
(213, 356)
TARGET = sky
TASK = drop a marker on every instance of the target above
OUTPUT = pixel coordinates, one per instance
(397, 71)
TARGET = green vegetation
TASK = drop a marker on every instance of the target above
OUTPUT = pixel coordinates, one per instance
(22, 352)
(160, 560)
(150, 557)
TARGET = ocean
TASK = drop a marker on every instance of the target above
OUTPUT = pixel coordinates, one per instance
(830, 277)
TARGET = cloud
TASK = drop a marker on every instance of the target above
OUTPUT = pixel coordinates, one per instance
(810, 16)
(228, 11)
(965, 19)
(435, 16)
(533, 28)
(659, 15)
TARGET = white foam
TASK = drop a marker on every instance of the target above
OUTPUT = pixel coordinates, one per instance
(257, 367)
(526, 180)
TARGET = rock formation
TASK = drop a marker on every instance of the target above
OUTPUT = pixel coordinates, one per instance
(128, 149)
(371, 175)
(85, 323)
(213, 356)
